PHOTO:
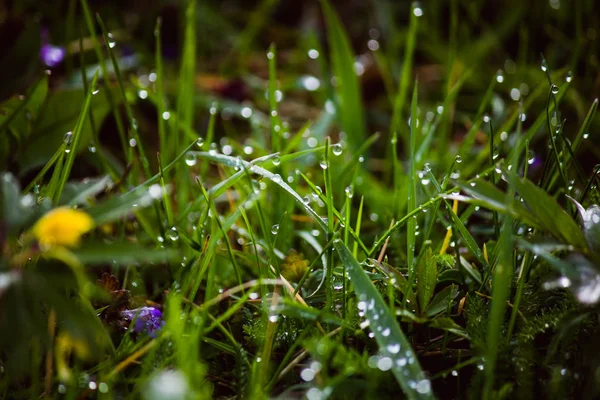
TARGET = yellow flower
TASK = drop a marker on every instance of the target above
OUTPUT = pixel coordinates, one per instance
(62, 226)
(294, 266)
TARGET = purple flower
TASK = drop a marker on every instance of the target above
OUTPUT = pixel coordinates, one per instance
(52, 55)
(147, 319)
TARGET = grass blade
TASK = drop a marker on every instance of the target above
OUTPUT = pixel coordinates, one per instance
(390, 338)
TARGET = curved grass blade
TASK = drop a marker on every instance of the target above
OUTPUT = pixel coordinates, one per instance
(390, 338)
(255, 169)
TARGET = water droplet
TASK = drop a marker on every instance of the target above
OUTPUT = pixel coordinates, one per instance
(417, 10)
(554, 89)
(337, 149)
(276, 160)
(277, 178)
(393, 348)
(569, 76)
(424, 386)
(515, 94)
(132, 142)
(314, 54)
(92, 148)
(200, 142)
(384, 363)
(275, 229)
(307, 374)
(373, 45)
(499, 76)
(190, 159)
(324, 164)
(544, 66)
(95, 92)
(173, 234)
(166, 115)
(349, 191)
(246, 112)
(111, 40)
(458, 159)
(68, 138)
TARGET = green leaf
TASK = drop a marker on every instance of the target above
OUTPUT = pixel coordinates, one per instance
(441, 300)
(79, 193)
(548, 212)
(390, 338)
(449, 325)
(489, 196)
(119, 206)
(55, 120)
(349, 105)
(426, 278)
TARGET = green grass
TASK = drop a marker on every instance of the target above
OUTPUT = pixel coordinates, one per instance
(261, 236)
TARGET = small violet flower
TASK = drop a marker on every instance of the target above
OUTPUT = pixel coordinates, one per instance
(147, 319)
(52, 55)
(49, 54)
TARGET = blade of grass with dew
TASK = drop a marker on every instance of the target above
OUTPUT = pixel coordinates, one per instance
(213, 209)
(388, 334)
(358, 225)
(459, 226)
(133, 124)
(335, 211)
(502, 277)
(70, 157)
(548, 212)
(198, 269)
(356, 156)
(274, 120)
(349, 106)
(381, 240)
(411, 236)
(95, 138)
(255, 169)
(101, 60)
(185, 96)
(581, 134)
(330, 224)
(266, 230)
(453, 93)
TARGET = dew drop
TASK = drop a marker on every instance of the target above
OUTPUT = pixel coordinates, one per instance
(349, 191)
(275, 229)
(276, 160)
(173, 234)
(190, 159)
(68, 138)
(337, 149)
(569, 76)
(111, 41)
